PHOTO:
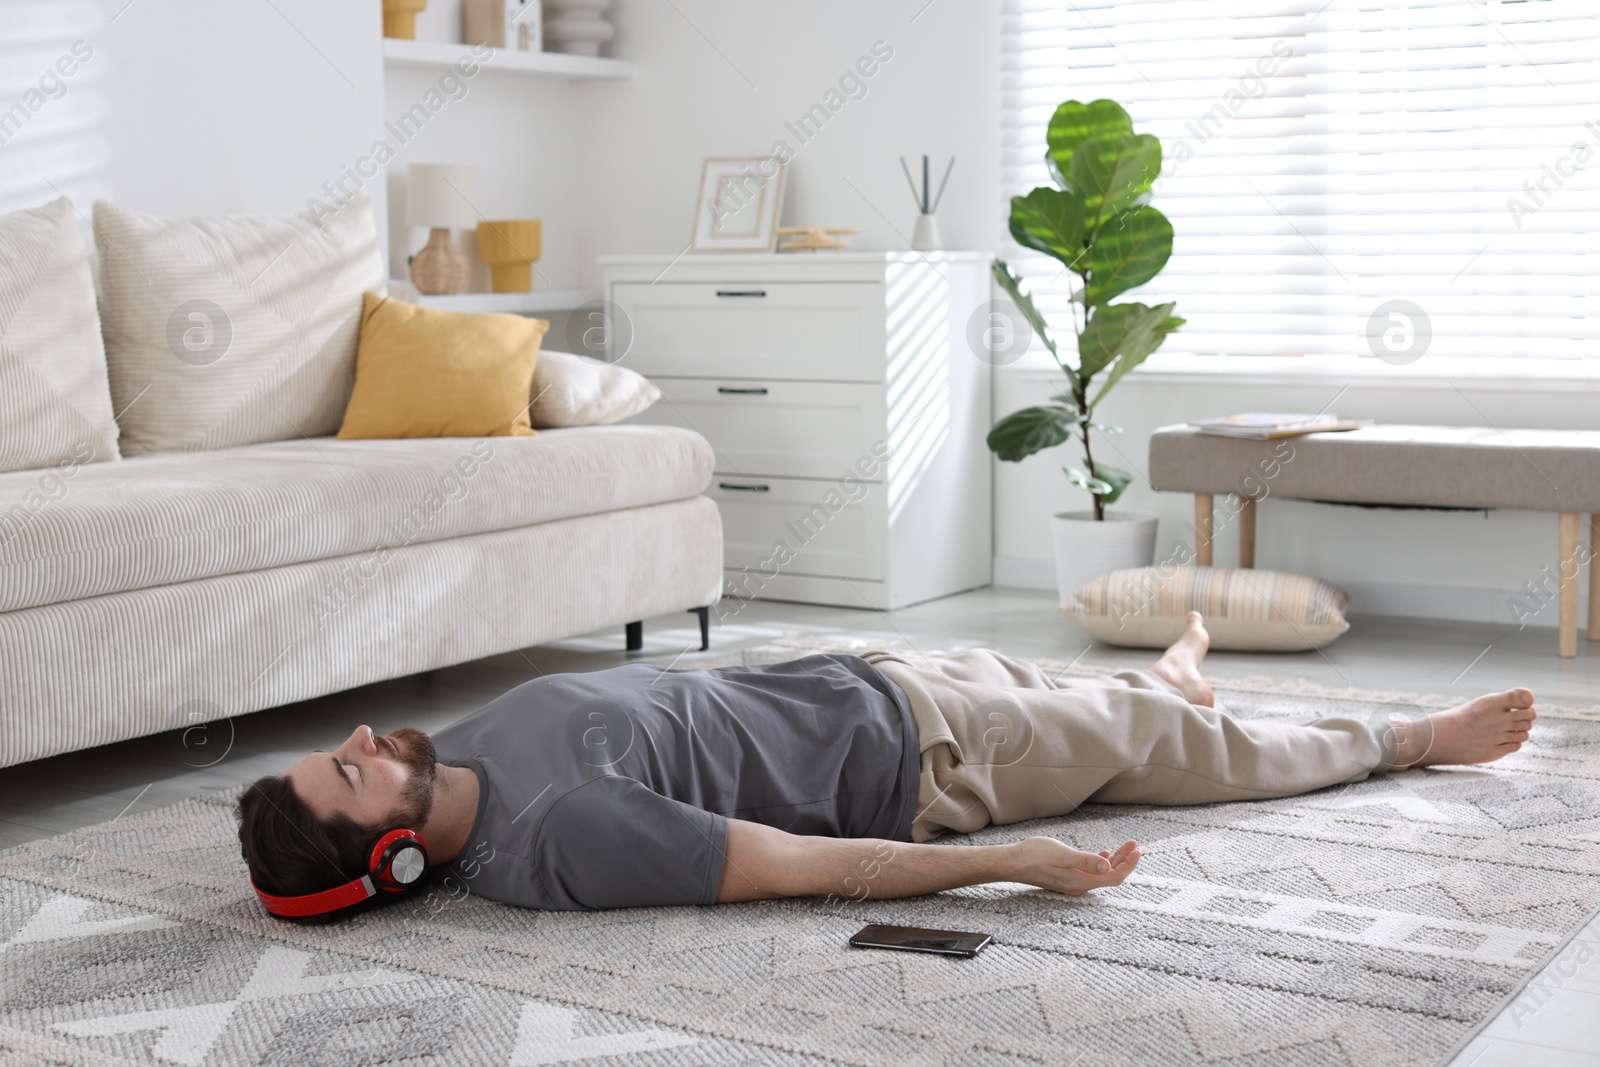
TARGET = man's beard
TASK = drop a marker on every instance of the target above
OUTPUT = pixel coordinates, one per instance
(416, 796)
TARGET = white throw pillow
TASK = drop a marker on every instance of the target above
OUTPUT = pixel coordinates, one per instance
(1245, 610)
(55, 406)
(571, 390)
(233, 329)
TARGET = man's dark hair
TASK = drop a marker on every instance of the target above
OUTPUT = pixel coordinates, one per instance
(289, 851)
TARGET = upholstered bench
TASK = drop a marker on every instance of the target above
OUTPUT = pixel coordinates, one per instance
(1404, 466)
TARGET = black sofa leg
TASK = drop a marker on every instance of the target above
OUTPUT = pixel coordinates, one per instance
(635, 636)
(705, 626)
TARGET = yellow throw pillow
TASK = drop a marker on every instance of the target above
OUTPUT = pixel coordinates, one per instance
(427, 373)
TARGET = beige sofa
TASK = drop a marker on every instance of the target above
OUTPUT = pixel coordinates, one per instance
(166, 588)
(164, 591)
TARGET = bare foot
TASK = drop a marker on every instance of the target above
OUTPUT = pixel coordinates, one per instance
(1179, 666)
(1479, 731)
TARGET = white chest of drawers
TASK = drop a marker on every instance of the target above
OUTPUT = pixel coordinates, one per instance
(846, 407)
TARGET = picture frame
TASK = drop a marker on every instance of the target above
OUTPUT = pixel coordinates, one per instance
(740, 200)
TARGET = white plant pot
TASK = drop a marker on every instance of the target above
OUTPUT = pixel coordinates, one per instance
(1086, 549)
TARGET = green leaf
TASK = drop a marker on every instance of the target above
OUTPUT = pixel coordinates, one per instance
(1073, 123)
(1115, 477)
(1050, 221)
(1103, 336)
(1055, 173)
(1111, 170)
(1013, 287)
(1147, 330)
(1088, 483)
(1118, 330)
(1127, 252)
(1022, 433)
(1108, 486)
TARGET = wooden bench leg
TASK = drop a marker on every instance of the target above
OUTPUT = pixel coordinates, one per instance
(1202, 530)
(1567, 575)
(1247, 531)
(1594, 577)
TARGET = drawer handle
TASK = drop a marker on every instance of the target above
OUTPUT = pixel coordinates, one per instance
(741, 292)
(759, 390)
(744, 488)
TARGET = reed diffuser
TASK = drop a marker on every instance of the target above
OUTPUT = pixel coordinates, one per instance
(925, 237)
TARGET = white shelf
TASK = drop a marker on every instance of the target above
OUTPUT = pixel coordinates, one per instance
(538, 300)
(437, 55)
(849, 255)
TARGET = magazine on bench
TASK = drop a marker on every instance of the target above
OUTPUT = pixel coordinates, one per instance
(1261, 425)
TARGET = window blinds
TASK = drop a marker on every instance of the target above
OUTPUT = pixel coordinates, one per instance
(1323, 160)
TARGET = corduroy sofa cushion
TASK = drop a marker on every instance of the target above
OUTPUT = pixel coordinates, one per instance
(1245, 610)
(55, 405)
(156, 520)
(232, 329)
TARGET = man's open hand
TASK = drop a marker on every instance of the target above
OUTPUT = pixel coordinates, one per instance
(1049, 864)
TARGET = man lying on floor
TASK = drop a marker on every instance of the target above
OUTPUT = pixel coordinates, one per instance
(641, 786)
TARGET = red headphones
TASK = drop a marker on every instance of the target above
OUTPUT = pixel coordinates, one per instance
(396, 862)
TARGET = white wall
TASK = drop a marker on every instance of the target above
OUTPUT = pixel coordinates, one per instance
(253, 107)
(53, 104)
(520, 132)
(249, 107)
(722, 77)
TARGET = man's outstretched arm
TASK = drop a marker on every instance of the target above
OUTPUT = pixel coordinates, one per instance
(762, 862)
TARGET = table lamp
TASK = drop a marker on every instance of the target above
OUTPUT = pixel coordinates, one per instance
(440, 196)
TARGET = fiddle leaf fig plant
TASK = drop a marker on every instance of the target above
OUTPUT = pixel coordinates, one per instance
(1098, 223)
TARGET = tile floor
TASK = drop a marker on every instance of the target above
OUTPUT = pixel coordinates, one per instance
(1555, 1022)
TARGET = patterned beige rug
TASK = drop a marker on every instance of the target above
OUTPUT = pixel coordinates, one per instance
(1371, 924)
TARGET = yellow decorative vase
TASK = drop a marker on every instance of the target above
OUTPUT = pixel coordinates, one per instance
(400, 18)
(510, 247)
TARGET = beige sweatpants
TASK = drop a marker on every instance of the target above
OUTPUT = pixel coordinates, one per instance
(1003, 741)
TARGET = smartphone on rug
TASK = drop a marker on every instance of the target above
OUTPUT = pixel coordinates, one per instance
(919, 939)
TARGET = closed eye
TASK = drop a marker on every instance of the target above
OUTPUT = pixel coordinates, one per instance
(343, 771)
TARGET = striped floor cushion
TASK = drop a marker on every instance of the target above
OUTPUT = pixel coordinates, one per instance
(1245, 610)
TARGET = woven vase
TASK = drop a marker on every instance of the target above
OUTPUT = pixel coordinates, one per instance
(439, 269)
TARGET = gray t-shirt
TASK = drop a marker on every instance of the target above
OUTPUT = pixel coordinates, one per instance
(613, 789)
